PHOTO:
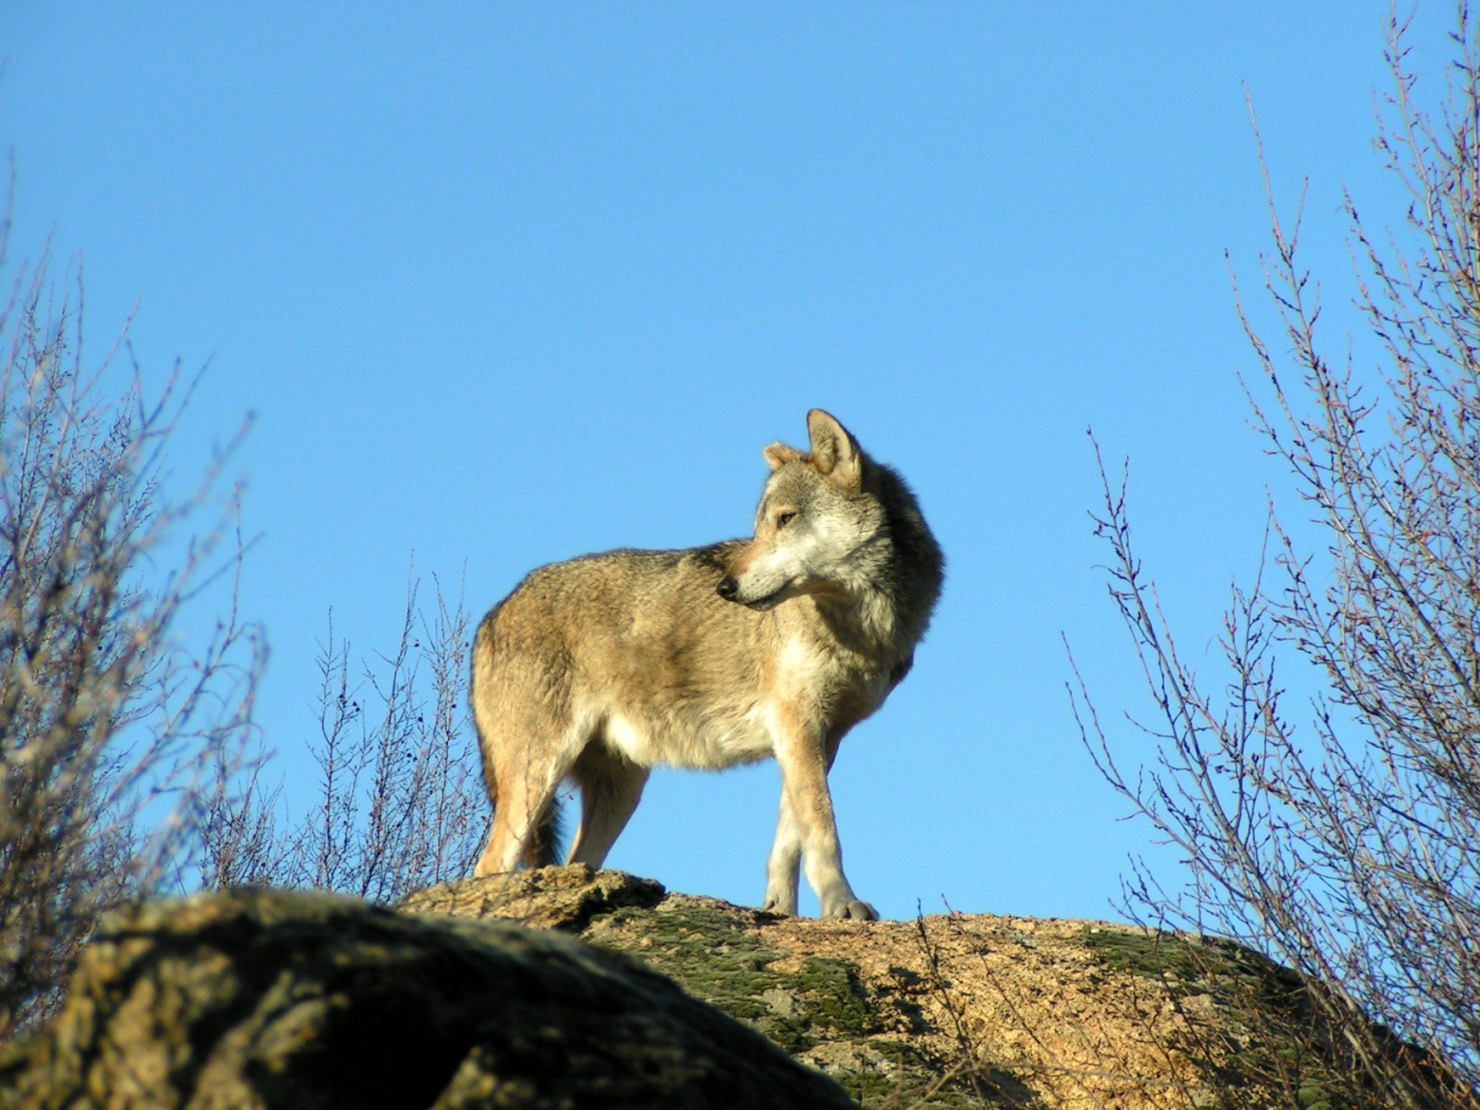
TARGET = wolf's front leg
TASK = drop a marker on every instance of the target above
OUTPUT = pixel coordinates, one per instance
(804, 787)
(783, 868)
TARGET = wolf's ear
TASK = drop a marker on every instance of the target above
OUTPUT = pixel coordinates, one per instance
(835, 453)
(779, 454)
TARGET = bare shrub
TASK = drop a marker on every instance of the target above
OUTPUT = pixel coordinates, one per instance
(109, 725)
(128, 761)
(400, 804)
(237, 837)
(1348, 846)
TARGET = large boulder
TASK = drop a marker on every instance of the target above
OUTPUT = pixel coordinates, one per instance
(279, 999)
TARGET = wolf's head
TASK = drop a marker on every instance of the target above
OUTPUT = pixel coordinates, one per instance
(820, 525)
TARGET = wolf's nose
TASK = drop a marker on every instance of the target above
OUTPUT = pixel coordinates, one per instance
(727, 588)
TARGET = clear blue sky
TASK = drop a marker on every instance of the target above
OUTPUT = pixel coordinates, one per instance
(508, 283)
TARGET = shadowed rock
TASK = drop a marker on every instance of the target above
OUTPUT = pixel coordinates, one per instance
(301, 1000)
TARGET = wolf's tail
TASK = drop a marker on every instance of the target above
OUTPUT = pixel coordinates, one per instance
(547, 843)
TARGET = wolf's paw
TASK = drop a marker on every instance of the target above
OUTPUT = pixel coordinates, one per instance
(779, 904)
(852, 910)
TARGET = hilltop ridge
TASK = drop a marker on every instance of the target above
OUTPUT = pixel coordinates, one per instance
(566, 987)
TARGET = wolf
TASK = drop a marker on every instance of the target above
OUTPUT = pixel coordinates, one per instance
(601, 668)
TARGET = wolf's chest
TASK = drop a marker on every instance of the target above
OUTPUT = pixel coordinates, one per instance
(714, 729)
(693, 737)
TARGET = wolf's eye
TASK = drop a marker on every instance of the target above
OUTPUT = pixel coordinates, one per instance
(783, 519)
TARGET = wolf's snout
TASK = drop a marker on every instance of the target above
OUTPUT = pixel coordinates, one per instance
(727, 588)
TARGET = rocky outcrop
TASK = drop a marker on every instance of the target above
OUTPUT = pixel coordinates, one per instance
(964, 1010)
(629, 996)
(564, 898)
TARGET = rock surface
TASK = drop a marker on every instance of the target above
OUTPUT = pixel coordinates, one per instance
(563, 898)
(956, 1010)
(277, 999)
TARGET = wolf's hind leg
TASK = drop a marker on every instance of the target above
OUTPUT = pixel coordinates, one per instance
(525, 793)
(611, 786)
